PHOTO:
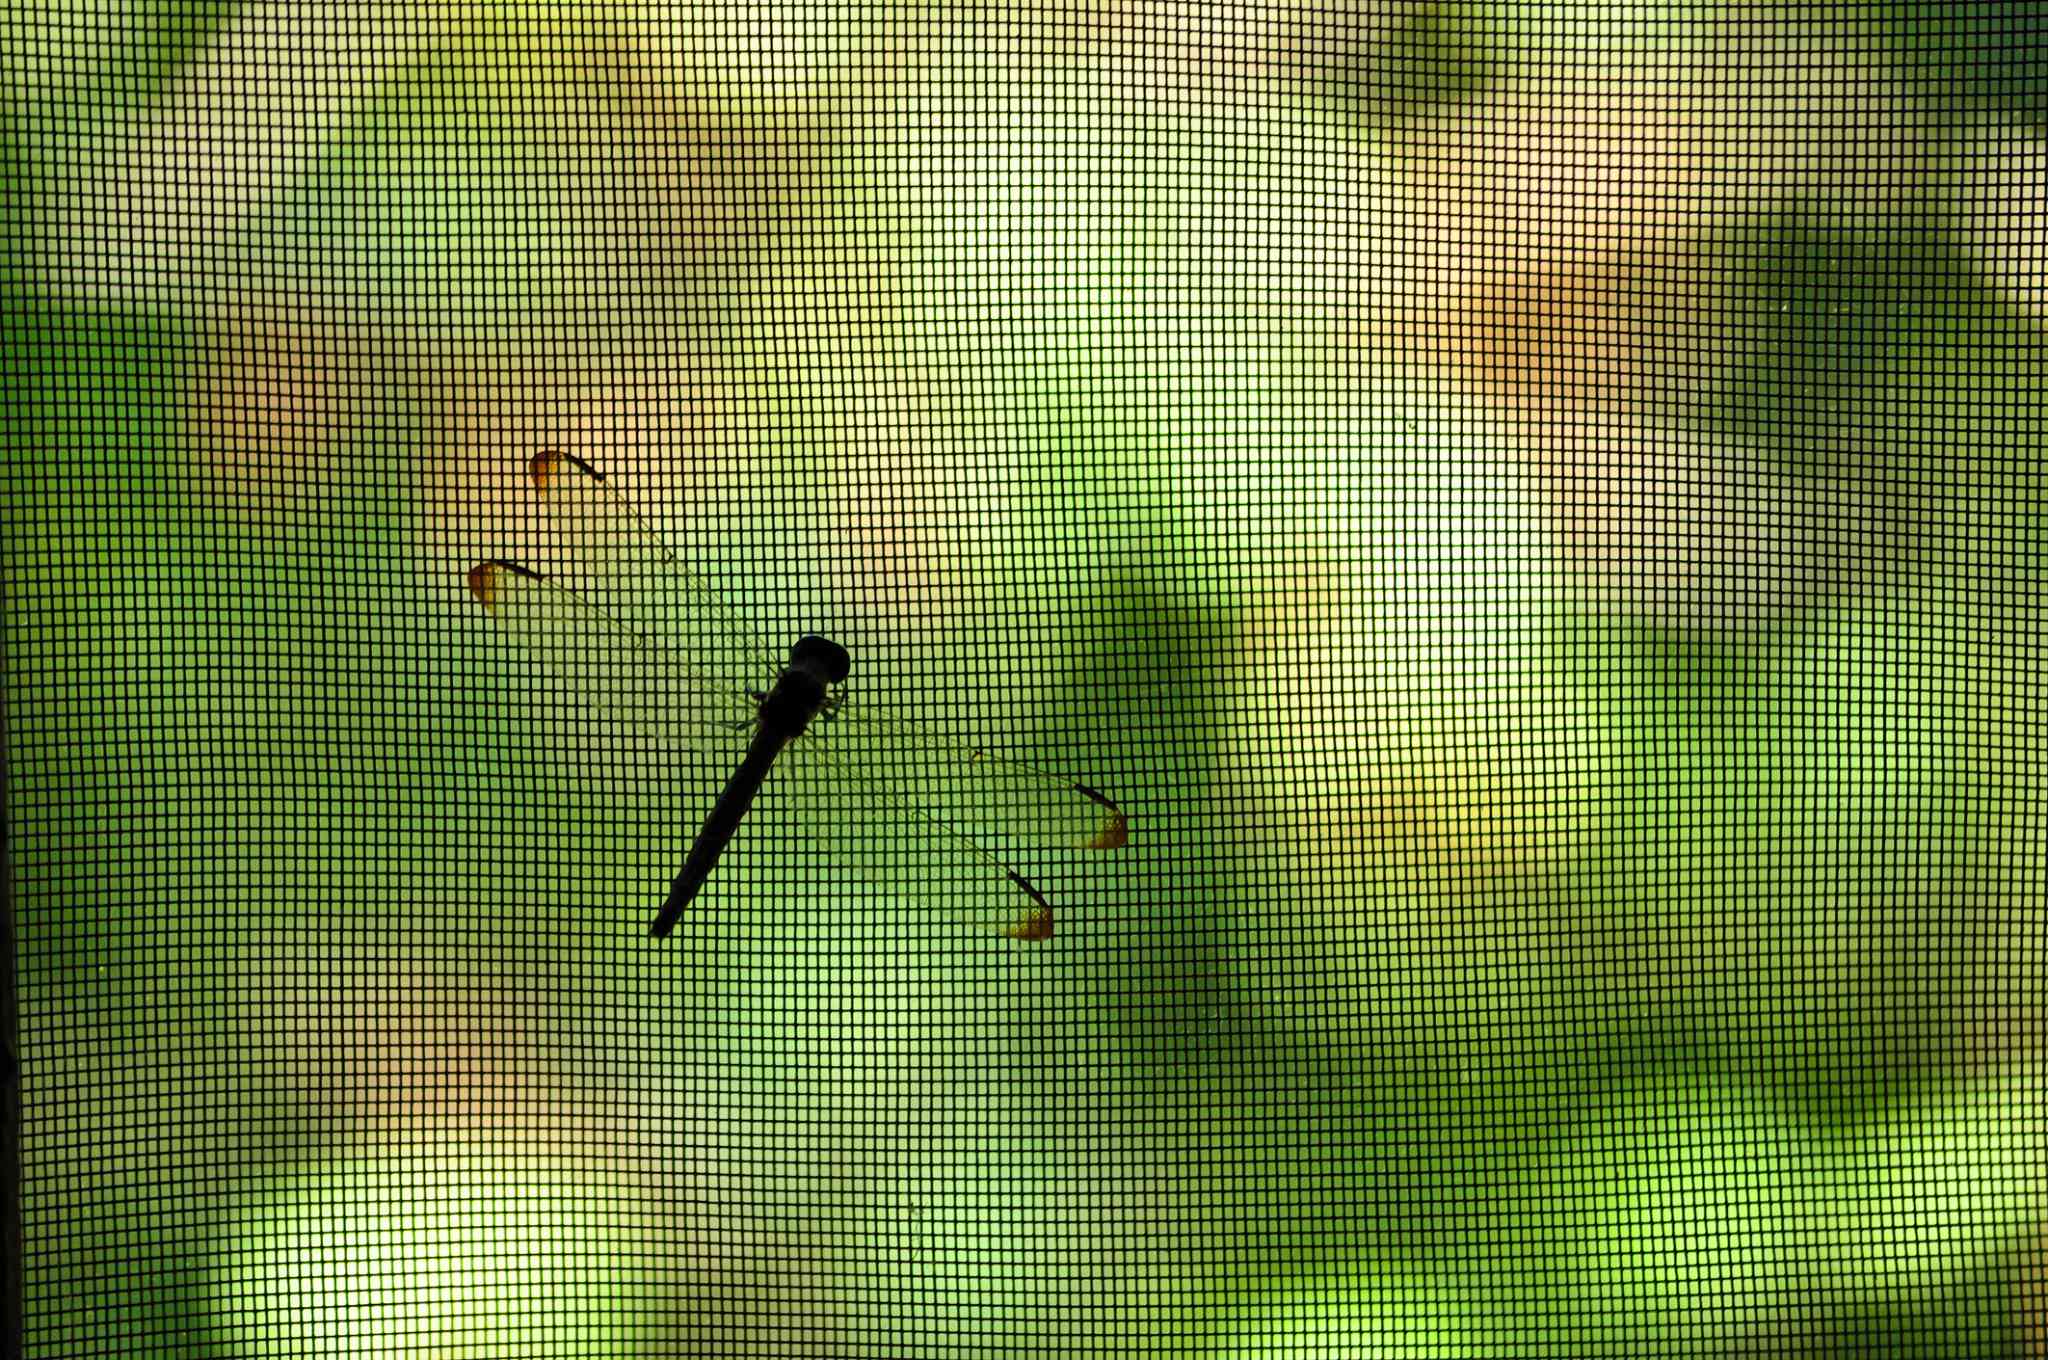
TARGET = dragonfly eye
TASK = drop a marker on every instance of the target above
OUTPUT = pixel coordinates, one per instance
(822, 655)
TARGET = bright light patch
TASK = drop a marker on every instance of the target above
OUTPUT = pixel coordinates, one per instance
(458, 1255)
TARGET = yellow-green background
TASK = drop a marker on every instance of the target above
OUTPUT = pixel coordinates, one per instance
(1535, 510)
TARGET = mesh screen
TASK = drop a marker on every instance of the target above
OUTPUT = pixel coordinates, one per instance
(1526, 519)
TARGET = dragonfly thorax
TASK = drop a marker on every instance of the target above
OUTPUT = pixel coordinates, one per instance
(815, 665)
(822, 657)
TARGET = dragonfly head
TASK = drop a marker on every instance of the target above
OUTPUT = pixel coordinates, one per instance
(821, 656)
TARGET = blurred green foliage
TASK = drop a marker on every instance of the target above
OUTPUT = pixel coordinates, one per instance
(1489, 969)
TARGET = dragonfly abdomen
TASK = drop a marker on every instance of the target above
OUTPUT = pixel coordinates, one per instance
(719, 825)
(815, 665)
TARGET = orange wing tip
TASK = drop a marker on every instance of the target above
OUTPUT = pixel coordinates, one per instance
(1114, 831)
(1036, 923)
(486, 579)
(542, 467)
(1114, 834)
(545, 468)
(1037, 926)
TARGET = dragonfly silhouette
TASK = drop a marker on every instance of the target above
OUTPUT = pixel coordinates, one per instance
(634, 632)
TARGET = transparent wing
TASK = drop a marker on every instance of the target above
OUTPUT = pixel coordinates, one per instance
(903, 848)
(967, 790)
(610, 669)
(599, 546)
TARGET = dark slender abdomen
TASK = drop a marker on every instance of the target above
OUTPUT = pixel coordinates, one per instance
(723, 820)
(815, 665)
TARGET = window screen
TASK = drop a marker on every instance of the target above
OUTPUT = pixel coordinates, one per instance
(1444, 750)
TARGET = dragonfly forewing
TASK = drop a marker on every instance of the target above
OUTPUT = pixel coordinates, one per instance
(970, 790)
(617, 673)
(600, 547)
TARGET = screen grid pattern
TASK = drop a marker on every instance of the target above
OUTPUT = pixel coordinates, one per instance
(1445, 751)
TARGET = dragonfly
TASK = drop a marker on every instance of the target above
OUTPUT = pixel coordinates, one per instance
(639, 636)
